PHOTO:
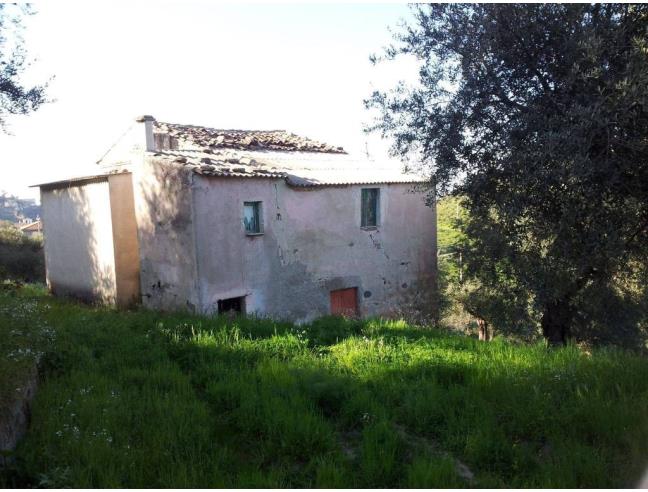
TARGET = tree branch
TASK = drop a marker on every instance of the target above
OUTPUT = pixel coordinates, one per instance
(532, 62)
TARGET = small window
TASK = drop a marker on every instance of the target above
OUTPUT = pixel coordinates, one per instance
(370, 204)
(233, 305)
(252, 217)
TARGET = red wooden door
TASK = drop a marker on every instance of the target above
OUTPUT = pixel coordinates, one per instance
(344, 302)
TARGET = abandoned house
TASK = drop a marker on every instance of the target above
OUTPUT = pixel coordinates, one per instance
(262, 222)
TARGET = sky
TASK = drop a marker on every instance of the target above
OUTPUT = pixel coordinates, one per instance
(298, 67)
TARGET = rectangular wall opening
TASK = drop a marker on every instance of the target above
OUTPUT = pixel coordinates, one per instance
(253, 218)
(233, 305)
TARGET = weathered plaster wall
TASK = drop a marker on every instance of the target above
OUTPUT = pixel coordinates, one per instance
(312, 244)
(79, 253)
(127, 149)
(125, 243)
(163, 208)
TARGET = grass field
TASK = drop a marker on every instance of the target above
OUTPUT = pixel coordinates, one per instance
(140, 399)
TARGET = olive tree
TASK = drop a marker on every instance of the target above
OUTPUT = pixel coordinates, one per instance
(15, 97)
(538, 116)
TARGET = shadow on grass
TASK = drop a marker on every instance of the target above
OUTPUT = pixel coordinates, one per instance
(188, 401)
(362, 398)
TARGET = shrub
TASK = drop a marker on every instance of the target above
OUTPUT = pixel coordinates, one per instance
(21, 257)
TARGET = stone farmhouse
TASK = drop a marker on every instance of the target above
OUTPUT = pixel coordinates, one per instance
(181, 217)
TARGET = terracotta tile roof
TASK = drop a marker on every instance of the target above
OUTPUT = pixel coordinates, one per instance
(304, 169)
(219, 163)
(35, 226)
(270, 154)
(170, 136)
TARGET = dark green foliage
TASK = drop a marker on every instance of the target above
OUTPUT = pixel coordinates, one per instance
(450, 214)
(21, 257)
(15, 98)
(142, 399)
(538, 116)
(464, 298)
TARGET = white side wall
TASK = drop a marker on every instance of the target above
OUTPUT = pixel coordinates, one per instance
(78, 234)
(312, 244)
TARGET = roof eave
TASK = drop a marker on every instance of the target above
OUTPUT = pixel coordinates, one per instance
(66, 183)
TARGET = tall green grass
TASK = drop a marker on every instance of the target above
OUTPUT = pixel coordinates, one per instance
(140, 399)
(25, 335)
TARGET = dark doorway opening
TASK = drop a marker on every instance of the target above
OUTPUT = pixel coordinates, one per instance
(234, 304)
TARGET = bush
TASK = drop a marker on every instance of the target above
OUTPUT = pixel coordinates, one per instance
(21, 257)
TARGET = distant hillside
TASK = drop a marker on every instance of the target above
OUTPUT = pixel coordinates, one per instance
(15, 209)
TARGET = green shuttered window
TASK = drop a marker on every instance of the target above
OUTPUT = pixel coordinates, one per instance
(252, 217)
(370, 207)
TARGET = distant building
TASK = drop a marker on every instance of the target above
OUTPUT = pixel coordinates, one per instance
(32, 229)
(263, 222)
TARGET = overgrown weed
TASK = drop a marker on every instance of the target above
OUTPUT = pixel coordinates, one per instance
(143, 399)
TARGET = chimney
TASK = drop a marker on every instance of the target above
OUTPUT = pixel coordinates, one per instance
(148, 121)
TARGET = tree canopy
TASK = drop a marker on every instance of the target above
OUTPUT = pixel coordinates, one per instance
(15, 97)
(538, 116)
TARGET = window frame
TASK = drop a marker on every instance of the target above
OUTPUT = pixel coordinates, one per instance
(257, 207)
(364, 225)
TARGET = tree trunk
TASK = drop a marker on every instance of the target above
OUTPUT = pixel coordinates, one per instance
(483, 330)
(556, 321)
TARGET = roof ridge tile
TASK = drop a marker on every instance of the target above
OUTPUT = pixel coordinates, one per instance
(201, 137)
